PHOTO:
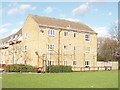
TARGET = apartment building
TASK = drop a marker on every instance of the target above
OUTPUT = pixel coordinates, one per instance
(49, 41)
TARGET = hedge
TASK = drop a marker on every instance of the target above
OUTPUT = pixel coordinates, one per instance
(58, 68)
(20, 68)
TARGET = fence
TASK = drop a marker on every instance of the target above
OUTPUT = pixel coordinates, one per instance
(113, 64)
(91, 68)
(101, 65)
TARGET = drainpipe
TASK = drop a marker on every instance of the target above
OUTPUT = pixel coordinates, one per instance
(59, 47)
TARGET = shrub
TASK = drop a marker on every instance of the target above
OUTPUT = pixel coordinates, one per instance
(58, 68)
(20, 68)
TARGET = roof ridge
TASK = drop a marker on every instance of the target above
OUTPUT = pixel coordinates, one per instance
(59, 22)
(58, 19)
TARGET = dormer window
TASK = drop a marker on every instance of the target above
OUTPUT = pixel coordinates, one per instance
(20, 35)
(51, 33)
(14, 39)
(68, 27)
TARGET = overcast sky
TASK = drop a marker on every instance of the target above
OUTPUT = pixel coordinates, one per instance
(99, 16)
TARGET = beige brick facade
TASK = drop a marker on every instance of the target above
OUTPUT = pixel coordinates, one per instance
(50, 44)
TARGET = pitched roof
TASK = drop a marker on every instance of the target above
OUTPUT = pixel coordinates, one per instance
(13, 35)
(58, 23)
(48, 21)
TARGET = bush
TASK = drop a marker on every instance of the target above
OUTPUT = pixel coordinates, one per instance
(58, 68)
(20, 68)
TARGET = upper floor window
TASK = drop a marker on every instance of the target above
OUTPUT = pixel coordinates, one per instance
(65, 47)
(25, 48)
(65, 33)
(74, 48)
(51, 33)
(87, 37)
(74, 35)
(51, 47)
(4, 53)
(25, 35)
(87, 49)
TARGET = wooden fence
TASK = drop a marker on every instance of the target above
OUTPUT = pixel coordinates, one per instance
(91, 68)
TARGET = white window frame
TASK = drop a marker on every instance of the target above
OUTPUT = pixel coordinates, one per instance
(49, 47)
(65, 33)
(65, 62)
(25, 62)
(51, 33)
(74, 34)
(74, 48)
(87, 39)
(66, 47)
(25, 48)
(87, 51)
(50, 62)
(5, 53)
(25, 35)
(89, 63)
(75, 62)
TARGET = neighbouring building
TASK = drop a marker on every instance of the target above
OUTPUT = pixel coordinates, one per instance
(50, 41)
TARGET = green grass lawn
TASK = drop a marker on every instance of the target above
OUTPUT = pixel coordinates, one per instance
(100, 79)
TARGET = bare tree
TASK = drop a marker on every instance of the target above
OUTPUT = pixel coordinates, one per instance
(115, 35)
(107, 49)
(18, 55)
(113, 30)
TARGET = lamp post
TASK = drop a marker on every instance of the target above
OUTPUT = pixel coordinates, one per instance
(38, 58)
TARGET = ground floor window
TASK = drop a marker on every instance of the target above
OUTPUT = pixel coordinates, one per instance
(50, 62)
(65, 63)
(25, 62)
(87, 63)
(74, 62)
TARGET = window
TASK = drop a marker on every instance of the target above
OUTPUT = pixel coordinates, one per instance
(65, 33)
(50, 62)
(74, 35)
(4, 53)
(65, 47)
(87, 50)
(51, 33)
(51, 47)
(25, 62)
(74, 48)
(65, 63)
(74, 63)
(87, 63)
(25, 35)
(11, 61)
(87, 37)
(25, 48)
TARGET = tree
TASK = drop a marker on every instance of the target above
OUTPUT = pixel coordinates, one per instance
(115, 35)
(18, 55)
(107, 49)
